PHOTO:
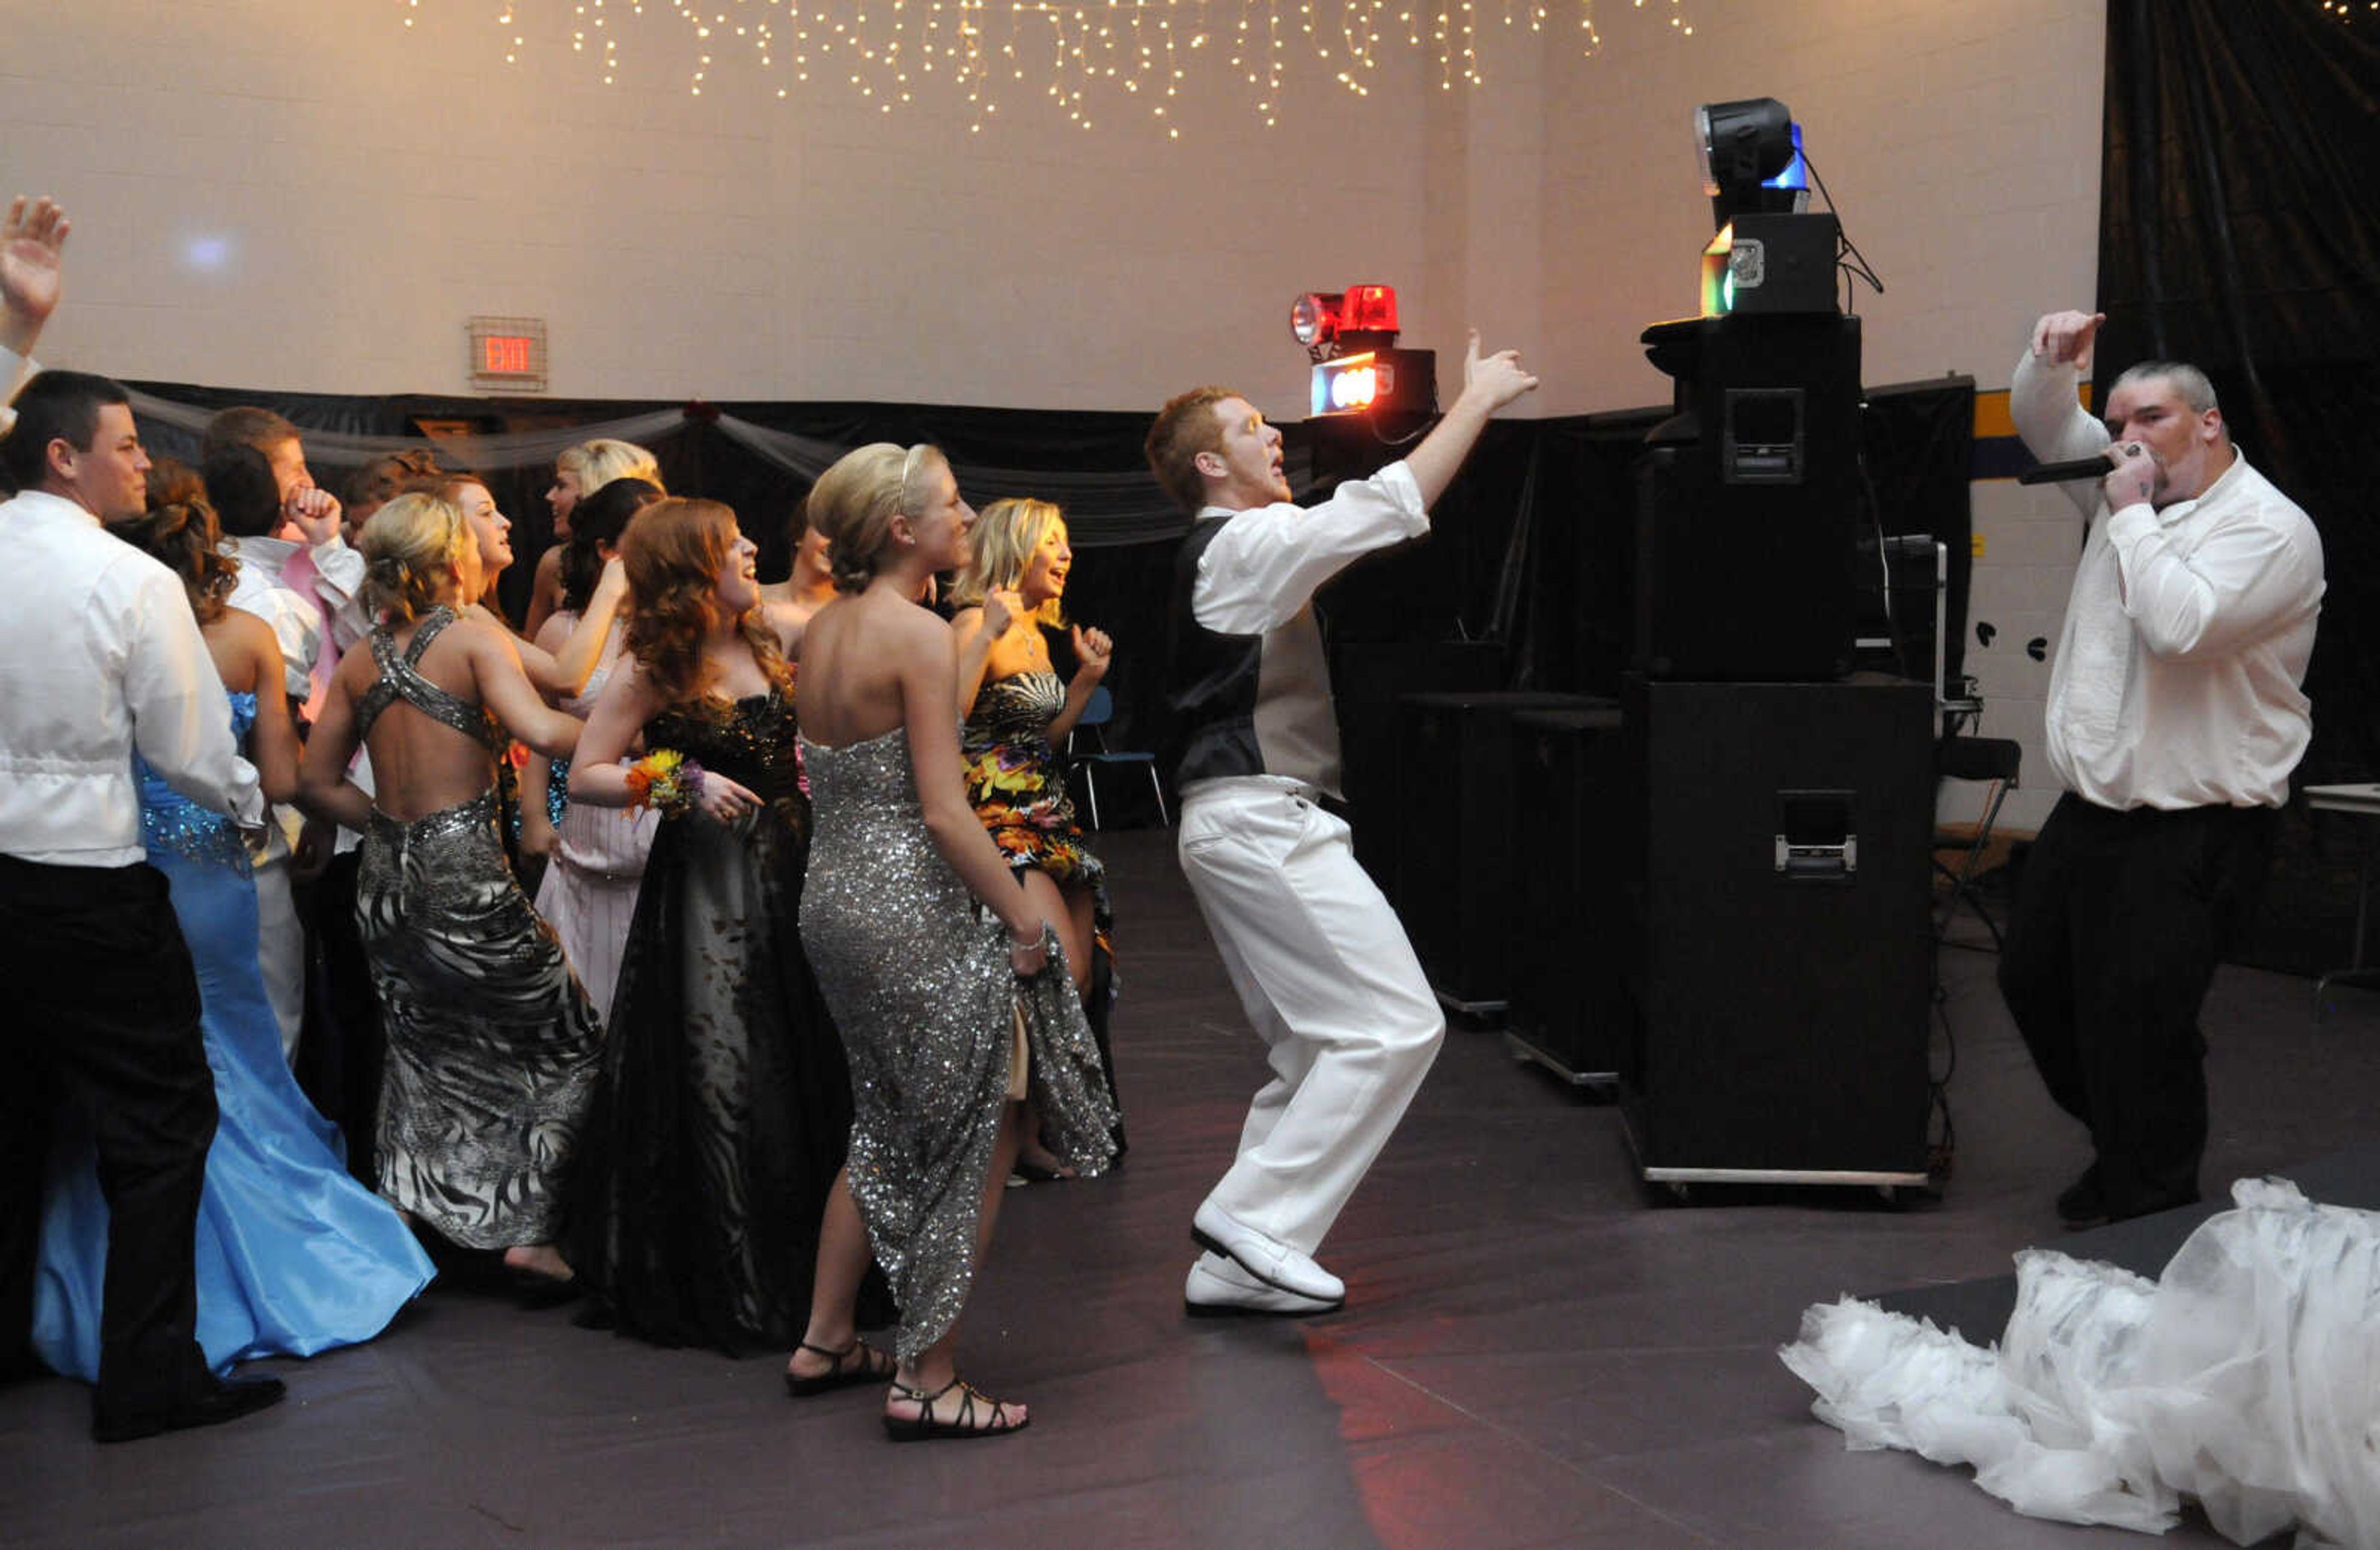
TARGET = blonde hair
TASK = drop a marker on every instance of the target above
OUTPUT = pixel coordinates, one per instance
(409, 546)
(1000, 546)
(854, 502)
(596, 464)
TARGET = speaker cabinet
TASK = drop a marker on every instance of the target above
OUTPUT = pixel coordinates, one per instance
(1747, 501)
(1456, 864)
(1567, 1010)
(1776, 894)
(1367, 680)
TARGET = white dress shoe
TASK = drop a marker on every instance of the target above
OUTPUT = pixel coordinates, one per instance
(1218, 1288)
(1269, 1259)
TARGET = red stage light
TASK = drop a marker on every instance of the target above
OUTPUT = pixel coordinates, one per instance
(1369, 309)
(1314, 318)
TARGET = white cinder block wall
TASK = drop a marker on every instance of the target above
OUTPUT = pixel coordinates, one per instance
(292, 196)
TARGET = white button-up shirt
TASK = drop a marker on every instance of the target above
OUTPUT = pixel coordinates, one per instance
(313, 627)
(2177, 679)
(1258, 576)
(100, 655)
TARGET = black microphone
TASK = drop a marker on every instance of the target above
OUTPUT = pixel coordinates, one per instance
(2066, 473)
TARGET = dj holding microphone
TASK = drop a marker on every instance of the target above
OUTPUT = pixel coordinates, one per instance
(2175, 717)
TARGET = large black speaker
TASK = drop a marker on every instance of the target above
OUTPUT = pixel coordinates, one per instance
(1567, 1009)
(1777, 896)
(1748, 499)
(1454, 874)
(1367, 679)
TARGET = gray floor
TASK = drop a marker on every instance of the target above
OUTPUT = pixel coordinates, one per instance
(1537, 1353)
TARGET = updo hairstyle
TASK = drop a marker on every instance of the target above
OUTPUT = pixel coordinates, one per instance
(854, 502)
(410, 546)
(596, 463)
(179, 529)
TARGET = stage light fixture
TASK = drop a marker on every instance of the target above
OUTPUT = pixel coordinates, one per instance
(1370, 309)
(1751, 159)
(1334, 323)
(1314, 319)
(1359, 374)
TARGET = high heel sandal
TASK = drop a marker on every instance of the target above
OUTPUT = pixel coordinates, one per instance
(961, 1428)
(875, 1366)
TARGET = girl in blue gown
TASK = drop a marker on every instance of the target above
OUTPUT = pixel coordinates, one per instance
(293, 1256)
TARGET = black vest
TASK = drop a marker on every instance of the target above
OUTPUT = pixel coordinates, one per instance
(1247, 704)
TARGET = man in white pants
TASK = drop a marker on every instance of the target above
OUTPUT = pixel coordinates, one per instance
(1317, 957)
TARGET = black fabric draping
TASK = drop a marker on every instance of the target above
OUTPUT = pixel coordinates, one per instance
(1529, 560)
(2238, 232)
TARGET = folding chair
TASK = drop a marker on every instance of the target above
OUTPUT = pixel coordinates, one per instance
(1088, 751)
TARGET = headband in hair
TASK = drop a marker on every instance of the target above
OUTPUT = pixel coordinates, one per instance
(910, 465)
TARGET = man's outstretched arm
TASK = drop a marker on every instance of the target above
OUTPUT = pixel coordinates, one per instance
(1488, 383)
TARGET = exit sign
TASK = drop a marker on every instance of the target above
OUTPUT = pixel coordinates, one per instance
(508, 354)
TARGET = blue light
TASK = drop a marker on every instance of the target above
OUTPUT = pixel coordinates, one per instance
(1797, 171)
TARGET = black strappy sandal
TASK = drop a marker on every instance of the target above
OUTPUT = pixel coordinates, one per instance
(925, 1428)
(875, 1366)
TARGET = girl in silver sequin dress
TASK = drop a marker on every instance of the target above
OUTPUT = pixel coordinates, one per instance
(947, 983)
(492, 1044)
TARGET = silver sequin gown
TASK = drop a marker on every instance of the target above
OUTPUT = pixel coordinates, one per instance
(917, 975)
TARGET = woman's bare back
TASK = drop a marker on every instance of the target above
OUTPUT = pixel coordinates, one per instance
(852, 660)
(420, 764)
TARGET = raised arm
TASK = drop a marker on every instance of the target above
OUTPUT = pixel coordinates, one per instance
(504, 689)
(1488, 383)
(1266, 563)
(32, 243)
(599, 770)
(574, 660)
(2043, 402)
(1093, 652)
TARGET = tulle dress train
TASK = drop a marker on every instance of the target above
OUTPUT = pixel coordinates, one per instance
(2246, 1377)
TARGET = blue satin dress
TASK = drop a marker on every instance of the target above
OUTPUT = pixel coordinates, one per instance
(293, 1256)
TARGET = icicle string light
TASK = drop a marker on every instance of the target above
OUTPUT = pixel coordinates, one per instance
(1124, 53)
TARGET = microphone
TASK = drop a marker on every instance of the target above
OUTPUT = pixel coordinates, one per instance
(2066, 473)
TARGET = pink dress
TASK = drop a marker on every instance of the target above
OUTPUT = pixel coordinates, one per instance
(590, 892)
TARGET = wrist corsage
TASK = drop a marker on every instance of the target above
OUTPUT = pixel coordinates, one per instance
(665, 780)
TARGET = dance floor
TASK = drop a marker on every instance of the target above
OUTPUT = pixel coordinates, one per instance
(1536, 1351)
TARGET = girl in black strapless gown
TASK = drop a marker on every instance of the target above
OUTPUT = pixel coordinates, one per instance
(724, 1106)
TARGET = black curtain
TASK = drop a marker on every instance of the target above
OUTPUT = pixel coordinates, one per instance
(2238, 232)
(1528, 565)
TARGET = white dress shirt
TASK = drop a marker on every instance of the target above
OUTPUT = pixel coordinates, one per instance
(99, 656)
(2177, 679)
(313, 626)
(1257, 577)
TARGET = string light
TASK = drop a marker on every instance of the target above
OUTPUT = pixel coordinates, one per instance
(1140, 53)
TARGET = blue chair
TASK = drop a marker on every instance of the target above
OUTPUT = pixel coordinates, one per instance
(1088, 751)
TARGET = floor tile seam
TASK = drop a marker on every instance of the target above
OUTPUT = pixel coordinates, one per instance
(1578, 1470)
